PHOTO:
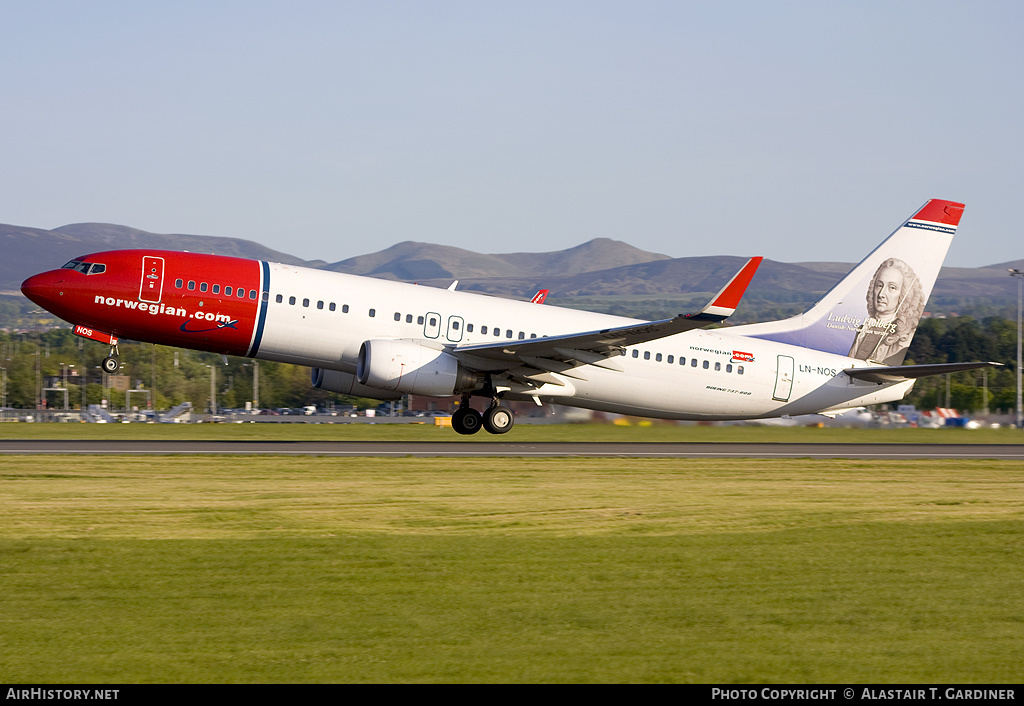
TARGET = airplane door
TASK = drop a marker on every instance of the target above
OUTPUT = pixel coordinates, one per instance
(432, 325)
(455, 326)
(152, 286)
(784, 379)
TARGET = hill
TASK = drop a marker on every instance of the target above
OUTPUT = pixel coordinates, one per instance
(601, 274)
(424, 261)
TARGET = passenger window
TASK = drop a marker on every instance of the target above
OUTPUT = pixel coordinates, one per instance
(419, 320)
(508, 333)
(191, 285)
(178, 284)
(433, 321)
(398, 317)
(319, 305)
(728, 368)
(647, 355)
(693, 363)
(671, 359)
(305, 302)
(408, 318)
(252, 294)
(228, 290)
(332, 306)
(706, 366)
(241, 293)
(216, 289)
(469, 328)
(739, 369)
(280, 297)
(636, 353)
(533, 335)
(483, 330)
(373, 313)
(344, 308)
(657, 357)
(455, 325)
(202, 286)
(291, 300)
(718, 366)
(522, 335)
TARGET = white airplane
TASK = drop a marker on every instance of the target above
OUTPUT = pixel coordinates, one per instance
(381, 339)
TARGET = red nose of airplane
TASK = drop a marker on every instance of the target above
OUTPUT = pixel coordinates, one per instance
(45, 288)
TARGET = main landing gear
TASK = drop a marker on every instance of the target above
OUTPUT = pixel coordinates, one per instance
(496, 420)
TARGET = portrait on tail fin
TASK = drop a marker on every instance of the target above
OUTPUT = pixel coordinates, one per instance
(895, 304)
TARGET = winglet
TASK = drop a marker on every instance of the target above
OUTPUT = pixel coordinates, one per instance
(725, 302)
(539, 297)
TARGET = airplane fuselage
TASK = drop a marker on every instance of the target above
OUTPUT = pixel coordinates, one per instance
(321, 319)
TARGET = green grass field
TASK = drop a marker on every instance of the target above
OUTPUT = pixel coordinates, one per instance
(257, 569)
(652, 432)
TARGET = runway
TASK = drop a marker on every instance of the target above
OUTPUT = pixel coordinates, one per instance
(462, 449)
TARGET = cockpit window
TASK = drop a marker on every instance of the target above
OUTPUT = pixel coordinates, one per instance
(86, 268)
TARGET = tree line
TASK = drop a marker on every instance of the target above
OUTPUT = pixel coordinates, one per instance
(33, 361)
(950, 340)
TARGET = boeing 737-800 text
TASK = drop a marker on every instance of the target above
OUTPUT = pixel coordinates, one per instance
(381, 339)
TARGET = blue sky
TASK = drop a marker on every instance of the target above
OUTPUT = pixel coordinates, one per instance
(800, 131)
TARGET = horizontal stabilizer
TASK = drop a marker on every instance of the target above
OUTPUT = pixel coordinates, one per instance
(901, 373)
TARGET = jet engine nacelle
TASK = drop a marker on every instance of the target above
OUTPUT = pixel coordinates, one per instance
(408, 366)
(346, 384)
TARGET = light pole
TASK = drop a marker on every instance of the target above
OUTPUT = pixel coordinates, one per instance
(1019, 274)
(213, 389)
(64, 382)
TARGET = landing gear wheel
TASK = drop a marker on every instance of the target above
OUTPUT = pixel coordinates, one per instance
(498, 419)
(466, 420)
(110, 364)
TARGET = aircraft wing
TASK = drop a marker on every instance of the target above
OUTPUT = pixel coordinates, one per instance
(900, 373)
(563, 353)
